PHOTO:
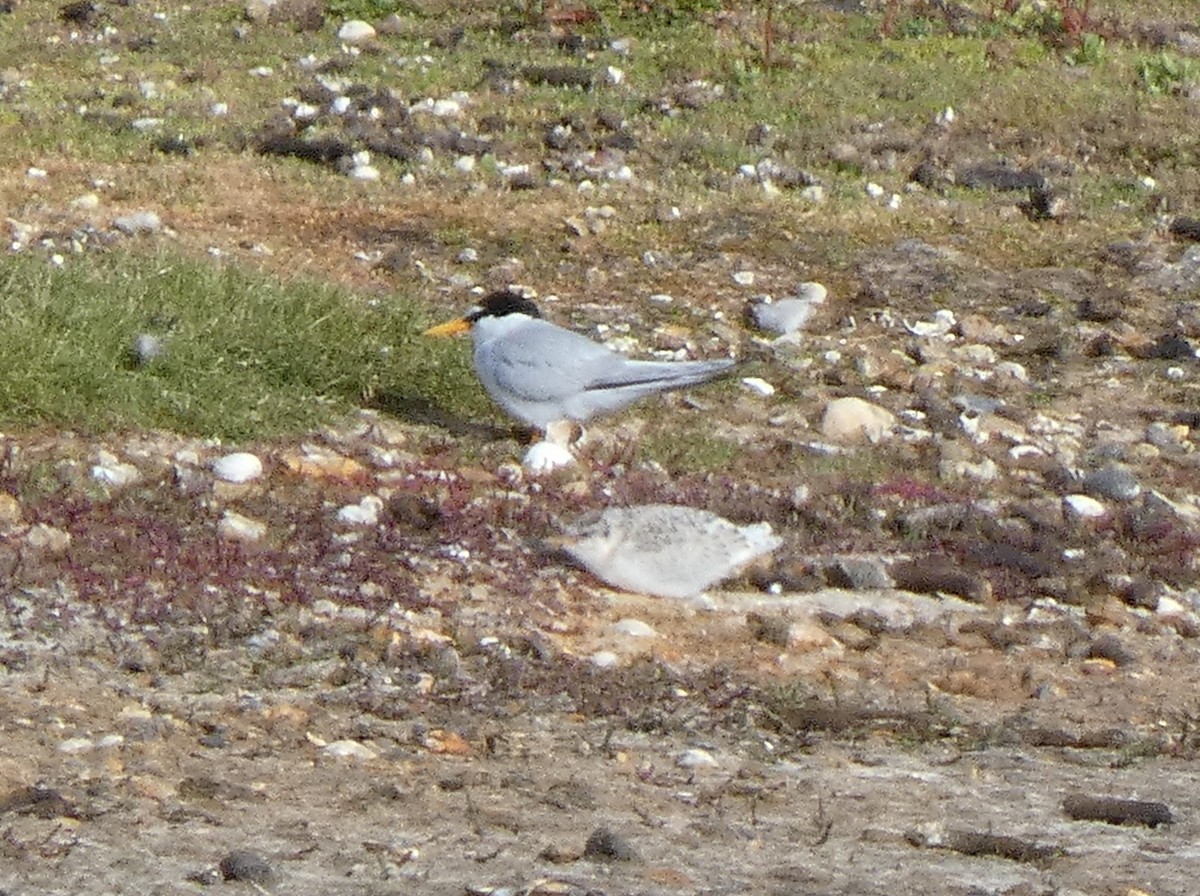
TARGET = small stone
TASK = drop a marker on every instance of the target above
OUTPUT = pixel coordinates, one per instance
(604, 659)
(356, 31)
(235, 527)
(696, 758)
(744, 278)
(782, 317)
(239, 467)
(634, 628)
(241, 864)
(10, 510)
(606, 846)
(858, 574)
(758, 385)
(76, 745)
(854, 421)
(48, 539)
(138, 223)
(364, 513)
(874, 190)
(146, 348)
(350, 749)
(110, 471)
(1113, 482)
(1083, 507)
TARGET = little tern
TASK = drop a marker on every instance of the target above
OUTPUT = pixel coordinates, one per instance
(545, 375)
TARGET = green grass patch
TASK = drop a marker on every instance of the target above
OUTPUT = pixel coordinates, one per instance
(245, 356)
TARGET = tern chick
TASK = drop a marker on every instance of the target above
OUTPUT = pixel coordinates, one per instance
(664, 550)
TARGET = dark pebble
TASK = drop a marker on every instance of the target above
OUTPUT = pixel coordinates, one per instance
(999, 176)
(1083, 807)
(858, 574)
(606, 846)
(1171, 347)
(241, 864)
(770, 629)
(1109, 647)
(1186, 228)
(933, 575)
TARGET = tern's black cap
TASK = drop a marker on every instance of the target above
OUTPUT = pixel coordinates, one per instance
(504, 302)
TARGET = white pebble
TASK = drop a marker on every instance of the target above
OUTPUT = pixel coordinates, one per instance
(1083, 506)
(218, 109)
(759, 385)
(76, 745)
(35, 173)
(350, 749)
(614, 75)
(874, 190)
(241, 466)
(696, 758)
(111, 472)
(465, 164)
(446, 108)
(744, 278)
(355, 31)
(634, 628)
(604, 659)
(812, 291)
(364, 513)
(235, 527)
(262, 71)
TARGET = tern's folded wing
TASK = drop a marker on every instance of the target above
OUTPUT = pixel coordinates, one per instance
(542, 362)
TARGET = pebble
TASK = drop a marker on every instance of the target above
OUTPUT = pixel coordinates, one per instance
(146, 347)
(607, 846)
(1113, 482)
(138, 223)
(242, 864)
(48, 539)
(235, 527)
(758, 385)
(356, 31)
(744, 278)
(854, 421)
(604, 659)
(10, 510)
(350, 749)
(943, 322)
(859, 574)
(782, 317)
(467, 256)
(364, 513)
(634, 628)
(110, 471)
(239, 467)
(76, 745)
(1083, 507)
(696, 758)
